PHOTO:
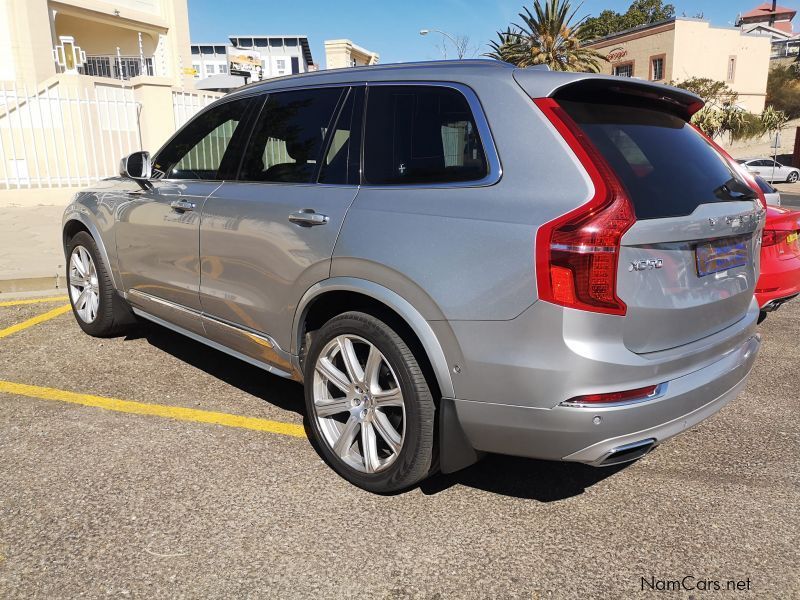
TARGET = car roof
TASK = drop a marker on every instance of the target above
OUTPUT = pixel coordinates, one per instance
(539, 81)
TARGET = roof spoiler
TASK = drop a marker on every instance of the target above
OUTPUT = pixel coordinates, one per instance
(587, 87)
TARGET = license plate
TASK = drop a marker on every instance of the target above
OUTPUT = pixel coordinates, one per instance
(791, 238)
(720, 255)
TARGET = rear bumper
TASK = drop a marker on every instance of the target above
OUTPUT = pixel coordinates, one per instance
(576, 433)
(779, 282)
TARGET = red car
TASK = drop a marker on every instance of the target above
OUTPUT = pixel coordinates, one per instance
(780, 259)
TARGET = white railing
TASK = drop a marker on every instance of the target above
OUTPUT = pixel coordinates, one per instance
(187, 104)
(58, 136)
(62, 136)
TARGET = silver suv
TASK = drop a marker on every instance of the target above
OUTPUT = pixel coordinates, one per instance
(455, 258)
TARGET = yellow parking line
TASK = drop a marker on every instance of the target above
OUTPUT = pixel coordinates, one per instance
(34, 301)
(50, 314)
(154, 410)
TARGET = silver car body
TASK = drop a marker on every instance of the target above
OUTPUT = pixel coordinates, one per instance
(455, 263)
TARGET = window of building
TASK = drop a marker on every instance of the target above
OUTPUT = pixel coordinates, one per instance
(276, 42)
(657, 68)
(219, 50)
(198, 150)
(421, 134)
(209, 69)
(207, 49)
(262, 42)
(731, 68)
(196, 67)
(195, 50)
(623, 70)
(288, 139)
(223, 69)
(290, 42)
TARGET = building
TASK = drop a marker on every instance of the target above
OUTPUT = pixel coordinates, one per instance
(779, 17)
(775, 24)
(118, 39)
(341, 54)
(681, 48)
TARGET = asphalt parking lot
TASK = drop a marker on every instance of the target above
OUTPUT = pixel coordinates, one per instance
(127, 471)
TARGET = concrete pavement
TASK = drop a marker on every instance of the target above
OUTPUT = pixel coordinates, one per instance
(97, 502)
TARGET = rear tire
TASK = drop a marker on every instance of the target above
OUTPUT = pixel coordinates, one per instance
(370, 409)
(97, 307)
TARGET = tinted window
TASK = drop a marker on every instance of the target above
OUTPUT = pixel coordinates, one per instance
(421, 134)
(765, 187)
(666, 166)
(342, 157)
(288, 139)
(198, 150)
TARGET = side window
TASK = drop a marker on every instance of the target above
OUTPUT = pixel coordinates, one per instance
(288, 139)
(421, 134)
(341, 164)
(198, 150)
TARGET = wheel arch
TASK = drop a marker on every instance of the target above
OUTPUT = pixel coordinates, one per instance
(74, 222)
(346, 293)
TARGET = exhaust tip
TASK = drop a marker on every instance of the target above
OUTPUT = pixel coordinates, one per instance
(628, 452)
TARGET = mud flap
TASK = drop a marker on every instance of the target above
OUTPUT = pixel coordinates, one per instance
(455, 451)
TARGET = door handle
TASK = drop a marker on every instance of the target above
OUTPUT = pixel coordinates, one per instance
(182, 205)
(308, 218)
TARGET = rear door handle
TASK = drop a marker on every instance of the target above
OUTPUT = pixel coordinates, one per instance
(308, 218)
(182, 205)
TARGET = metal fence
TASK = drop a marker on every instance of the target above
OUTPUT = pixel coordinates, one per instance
(63, 136)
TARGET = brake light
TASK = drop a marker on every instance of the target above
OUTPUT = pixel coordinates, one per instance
(577, 254)
(771, 237)
(645, 393)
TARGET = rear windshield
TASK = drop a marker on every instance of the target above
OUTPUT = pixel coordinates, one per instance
(666, 166)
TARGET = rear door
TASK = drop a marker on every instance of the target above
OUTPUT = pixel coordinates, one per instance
(268, 236)
(689, 264)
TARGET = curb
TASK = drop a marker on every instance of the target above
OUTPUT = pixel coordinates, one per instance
(31, 284)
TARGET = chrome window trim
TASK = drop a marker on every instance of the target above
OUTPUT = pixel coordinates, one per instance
(495, 172)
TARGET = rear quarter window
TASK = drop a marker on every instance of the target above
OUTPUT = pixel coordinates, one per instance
(665, 165)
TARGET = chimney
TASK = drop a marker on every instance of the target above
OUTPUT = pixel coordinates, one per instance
(772, 14)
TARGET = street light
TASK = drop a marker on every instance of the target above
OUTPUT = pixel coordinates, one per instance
(424, 32)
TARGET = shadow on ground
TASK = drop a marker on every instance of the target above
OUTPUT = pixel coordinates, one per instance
(544, 481)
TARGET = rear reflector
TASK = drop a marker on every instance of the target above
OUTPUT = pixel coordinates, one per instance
(645, 393)
(577, 254)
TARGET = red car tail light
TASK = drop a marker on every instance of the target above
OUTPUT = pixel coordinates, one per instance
(645, 393)
(577, 254)
(772, 238)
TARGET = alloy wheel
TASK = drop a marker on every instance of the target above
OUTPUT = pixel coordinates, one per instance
(358, 404)
(84, 287)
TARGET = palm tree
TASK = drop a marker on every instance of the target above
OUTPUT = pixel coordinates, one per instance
(548, 36)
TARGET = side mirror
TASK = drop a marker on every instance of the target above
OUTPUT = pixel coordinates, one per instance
(137, 166)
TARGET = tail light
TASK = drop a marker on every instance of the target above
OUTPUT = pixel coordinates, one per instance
(577, 254)
(640, 394)
(771, 237)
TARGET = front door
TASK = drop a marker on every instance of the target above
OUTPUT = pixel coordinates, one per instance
(158, 229)
(269, 236)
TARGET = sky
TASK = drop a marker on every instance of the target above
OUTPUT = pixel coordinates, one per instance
(392, 28)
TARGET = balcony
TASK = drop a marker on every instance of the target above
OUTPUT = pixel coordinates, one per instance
(118, 67)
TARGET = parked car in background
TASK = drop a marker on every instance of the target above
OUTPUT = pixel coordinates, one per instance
(455, 258)
(779, 281)
(770, 169)
(771, 195)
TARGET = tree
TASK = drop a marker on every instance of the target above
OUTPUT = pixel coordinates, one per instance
(550, 36)
(783, 89)
(720, 115)
(640, 12)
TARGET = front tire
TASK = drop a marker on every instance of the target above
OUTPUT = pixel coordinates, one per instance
(369, 407)
(97, 307)
(793, 177)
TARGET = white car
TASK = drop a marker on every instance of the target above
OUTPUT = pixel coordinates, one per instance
(772, 195)
(771, 170)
